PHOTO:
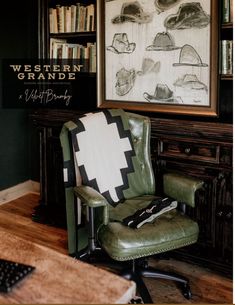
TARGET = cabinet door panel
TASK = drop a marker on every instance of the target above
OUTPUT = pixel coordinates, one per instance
(189, 150)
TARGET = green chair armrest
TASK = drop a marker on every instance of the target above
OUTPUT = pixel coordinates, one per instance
(90, 196)
(93, 199)
(182, 188)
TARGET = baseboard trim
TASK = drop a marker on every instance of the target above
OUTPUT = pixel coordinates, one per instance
(19, 190)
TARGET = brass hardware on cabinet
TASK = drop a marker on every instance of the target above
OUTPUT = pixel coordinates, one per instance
(187, 150)
(220, 214)
(229, 215)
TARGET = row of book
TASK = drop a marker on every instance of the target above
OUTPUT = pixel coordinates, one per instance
(227, 11)
(60, 49)
(226, 57)
(73, 18)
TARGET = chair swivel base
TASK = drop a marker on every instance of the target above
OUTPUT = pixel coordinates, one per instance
(136, 273)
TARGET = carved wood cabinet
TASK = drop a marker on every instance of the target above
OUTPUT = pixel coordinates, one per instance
(198, 149)
(202, 150)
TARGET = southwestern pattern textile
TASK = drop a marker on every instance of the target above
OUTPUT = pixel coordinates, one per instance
(104, 152)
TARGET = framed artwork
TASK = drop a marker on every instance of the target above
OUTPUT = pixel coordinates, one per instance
(158, 56)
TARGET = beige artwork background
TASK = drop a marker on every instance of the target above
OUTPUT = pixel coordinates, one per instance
(143, 34)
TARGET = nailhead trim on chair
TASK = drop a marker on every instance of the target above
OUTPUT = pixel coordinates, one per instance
(152, 253)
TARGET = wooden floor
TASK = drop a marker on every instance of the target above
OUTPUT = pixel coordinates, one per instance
(207, 287)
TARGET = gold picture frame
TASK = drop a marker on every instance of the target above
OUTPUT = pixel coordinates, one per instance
(156, 56)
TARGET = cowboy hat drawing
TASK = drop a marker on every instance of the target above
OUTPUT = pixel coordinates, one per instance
(163, 42)
(132, 12)
(163, 5)
(121, 44)
(148, 66)
(189, 57)
(190, 81)
(162, 94)
(125, 81)
(189, 15)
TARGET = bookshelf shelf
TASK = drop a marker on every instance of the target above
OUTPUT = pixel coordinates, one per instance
(226, 77)
(73, 35)
(227, 25)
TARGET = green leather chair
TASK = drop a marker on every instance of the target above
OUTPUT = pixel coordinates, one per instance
(105, 231)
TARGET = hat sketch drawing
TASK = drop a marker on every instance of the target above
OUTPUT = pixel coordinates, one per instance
(163, 42)
(125, 81)
(190, 81)
(148, 66)
(121, 44)
(132, 12)
(189, 57)
(163, 5)
(162, 94)
(189, 15)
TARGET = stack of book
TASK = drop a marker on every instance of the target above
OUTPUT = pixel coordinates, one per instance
(227, 11)
(73, 18)
(60, 49)
(226, 57)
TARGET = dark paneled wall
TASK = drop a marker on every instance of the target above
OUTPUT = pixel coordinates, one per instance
(18, 34)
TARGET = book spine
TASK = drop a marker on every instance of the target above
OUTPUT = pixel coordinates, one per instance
(226, 11)
(55, 20)
(93, 17)
(226, 57)
(231, 11)
(73, 18)
(230, 57)
(51, 27)
(59, 19)
(220, 57)
(68, 19)
(77, 28)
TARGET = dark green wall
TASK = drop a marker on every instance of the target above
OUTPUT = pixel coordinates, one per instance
(18, 36)
(14, 153)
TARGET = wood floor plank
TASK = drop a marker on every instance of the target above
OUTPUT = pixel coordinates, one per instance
(15, 217)
(207, 287)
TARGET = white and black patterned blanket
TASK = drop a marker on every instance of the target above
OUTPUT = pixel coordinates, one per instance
(103, 152)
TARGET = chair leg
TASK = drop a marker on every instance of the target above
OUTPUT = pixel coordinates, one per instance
(142, 289)
(140, 285)
(154, 273)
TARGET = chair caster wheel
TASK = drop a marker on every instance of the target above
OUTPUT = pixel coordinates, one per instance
(186, 291)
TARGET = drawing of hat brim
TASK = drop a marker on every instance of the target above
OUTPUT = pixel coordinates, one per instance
(195, 85)
(144, 18)
(199, 21)
(190, 64)
(129, 49)
(167, 48)
(189, 57)
(190, 84)
(154, 99)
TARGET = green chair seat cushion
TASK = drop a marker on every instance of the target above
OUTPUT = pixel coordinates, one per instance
(170, 231)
